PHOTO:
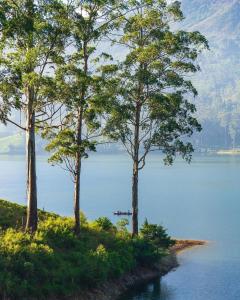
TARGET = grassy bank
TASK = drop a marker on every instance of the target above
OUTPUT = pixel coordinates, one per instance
(56, 262)
(13, 215)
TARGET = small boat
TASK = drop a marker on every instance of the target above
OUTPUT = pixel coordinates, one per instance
(122, 213)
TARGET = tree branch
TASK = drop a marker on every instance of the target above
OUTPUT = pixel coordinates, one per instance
(16, 124)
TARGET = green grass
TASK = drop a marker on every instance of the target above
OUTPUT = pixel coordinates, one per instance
(56, 262)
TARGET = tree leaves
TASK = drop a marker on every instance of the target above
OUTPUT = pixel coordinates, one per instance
(152, 79)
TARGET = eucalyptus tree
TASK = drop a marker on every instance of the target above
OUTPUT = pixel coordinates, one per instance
(32, 41)
(152, 110)
(83, 81)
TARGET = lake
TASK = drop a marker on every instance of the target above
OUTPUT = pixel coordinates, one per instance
(198, 201)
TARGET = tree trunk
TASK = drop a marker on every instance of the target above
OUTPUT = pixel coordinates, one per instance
(78, 174)
(77, 195)
(135, 171)
(135, 199)
(79, 154)
(32, 214)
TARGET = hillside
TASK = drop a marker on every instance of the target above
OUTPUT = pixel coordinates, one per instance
(15, 144)
(12, 144)
(55, 263)
(13, 215)
(219, 82)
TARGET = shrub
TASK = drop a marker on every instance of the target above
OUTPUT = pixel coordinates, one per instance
(104, 224)
(122, 225)
(56, 262)
(145, 253)
(156, 235)
(83, 219)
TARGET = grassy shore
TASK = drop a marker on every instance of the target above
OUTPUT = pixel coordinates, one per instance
(54, 263)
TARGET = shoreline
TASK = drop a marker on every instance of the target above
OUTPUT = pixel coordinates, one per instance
(229, 151)
(182, 245)
(114, 289)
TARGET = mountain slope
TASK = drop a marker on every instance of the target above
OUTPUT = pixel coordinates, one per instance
(219, 82)
(12, 144)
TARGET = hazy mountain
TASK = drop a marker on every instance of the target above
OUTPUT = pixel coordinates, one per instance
(219, 82)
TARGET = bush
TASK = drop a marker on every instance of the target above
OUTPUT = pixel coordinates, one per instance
(145, 253)
(156, 235)
(122, 225)
(56, 262)
(25, 264)
(104, 224)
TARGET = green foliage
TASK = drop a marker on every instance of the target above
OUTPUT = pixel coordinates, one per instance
(11, 214)
(83, 219)
(65, 145)
(32, 40)
(152, 109)
(82, 85)
(156, 235)
(104, 224)
(145, 253)
(122, 224)
(56, 262)
(14, 215)
(152, 244)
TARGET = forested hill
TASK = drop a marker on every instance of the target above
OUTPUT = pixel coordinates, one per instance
(219, 81)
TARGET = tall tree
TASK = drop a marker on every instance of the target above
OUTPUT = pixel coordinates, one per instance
(83, 80)
(32, 35)
(152, 111)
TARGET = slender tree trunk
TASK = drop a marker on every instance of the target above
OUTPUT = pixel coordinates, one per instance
(135, 172)
(136, 144)
(77, 196)
(78, 174)
(32, 214)
(135, 199)
(77, 179)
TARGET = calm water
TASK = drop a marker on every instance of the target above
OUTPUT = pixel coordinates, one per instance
(200, 201)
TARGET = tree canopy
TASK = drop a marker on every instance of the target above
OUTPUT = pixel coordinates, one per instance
(152, 110)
